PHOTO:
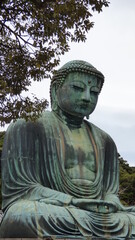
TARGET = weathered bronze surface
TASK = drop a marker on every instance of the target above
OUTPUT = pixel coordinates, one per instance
(60, 175)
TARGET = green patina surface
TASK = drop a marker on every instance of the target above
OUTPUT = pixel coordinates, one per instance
(60, 174)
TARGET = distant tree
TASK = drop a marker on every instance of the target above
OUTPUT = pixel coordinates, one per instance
(33, 35)
(127, 183)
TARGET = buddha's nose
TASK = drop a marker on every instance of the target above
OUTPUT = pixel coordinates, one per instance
(86, 95)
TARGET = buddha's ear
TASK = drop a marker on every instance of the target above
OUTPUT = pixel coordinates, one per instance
(54, 100)
(100, 84)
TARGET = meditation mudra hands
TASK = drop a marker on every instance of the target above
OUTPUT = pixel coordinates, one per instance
(94, 205)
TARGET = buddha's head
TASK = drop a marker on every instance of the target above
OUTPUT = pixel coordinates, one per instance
(75, 88)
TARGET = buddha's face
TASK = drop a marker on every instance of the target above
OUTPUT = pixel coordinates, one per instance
(79, 94)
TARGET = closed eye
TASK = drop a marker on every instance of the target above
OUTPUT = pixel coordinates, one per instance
(94, 92)
(78, 88)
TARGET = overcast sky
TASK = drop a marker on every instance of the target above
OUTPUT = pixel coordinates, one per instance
(110, 47)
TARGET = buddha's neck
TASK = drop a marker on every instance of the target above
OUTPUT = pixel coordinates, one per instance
(69, 120)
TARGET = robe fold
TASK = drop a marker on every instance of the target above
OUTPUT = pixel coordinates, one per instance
(37, 192)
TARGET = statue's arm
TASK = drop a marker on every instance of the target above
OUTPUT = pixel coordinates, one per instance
(111, 174)
(119, 206)
(23, 169)
(48, 195)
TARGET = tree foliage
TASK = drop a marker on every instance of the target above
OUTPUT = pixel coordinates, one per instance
(127, 183)
(33, 35)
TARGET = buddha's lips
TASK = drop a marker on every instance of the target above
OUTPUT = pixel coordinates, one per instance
(85, 105)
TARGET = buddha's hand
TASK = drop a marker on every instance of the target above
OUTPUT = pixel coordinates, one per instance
(51, 201)
(94, 205)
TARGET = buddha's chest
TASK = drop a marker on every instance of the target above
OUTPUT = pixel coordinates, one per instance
(79, 155)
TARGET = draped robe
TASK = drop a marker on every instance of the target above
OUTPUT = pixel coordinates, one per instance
(37, 191)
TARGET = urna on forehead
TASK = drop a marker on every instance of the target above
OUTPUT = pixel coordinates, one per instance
(76, 66)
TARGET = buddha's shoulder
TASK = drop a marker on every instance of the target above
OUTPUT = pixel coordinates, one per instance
(46, 116)
(22, 124)
(100, 132)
